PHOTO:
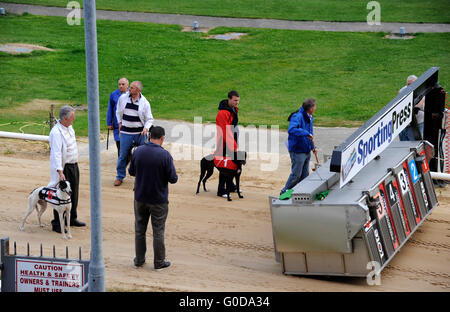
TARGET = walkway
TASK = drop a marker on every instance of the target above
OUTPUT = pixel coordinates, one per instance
(210, 22)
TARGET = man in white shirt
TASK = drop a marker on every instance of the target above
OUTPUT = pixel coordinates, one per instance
(135, 118)
(64, 162)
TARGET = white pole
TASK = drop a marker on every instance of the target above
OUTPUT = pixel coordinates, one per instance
(440, 176)
(23, 136)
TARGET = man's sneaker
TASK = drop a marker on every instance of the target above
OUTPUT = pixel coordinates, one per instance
(117, 182)
(166, 264)
(286, 195)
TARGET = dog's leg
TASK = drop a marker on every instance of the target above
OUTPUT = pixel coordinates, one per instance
(43, 206)
(202, 173)
(68, 221)
(209, 173)
(238, 188)
(32, 202)
(61, 222)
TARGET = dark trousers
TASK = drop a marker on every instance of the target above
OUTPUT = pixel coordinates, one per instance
(72, 174)
(221, 190)
(142, 214)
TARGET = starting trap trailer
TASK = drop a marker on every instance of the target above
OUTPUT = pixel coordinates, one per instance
(353, 214)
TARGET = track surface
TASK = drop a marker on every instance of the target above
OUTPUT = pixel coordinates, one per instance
(214, 245)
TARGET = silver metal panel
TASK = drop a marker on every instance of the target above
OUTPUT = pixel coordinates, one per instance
(319, 262)
(356, 262)
(294, 262)
(316, 227)
(277, 254)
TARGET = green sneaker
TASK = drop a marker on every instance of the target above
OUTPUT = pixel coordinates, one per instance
(286, 195)
(321, 196)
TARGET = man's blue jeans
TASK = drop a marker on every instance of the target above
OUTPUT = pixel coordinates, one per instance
(299, 168)
(407, 134)
(126, 140)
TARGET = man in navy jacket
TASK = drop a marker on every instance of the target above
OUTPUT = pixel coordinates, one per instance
(153, 168)
(300, 142)
(111, 119)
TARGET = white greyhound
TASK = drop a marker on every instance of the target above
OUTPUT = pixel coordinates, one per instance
(58, 198)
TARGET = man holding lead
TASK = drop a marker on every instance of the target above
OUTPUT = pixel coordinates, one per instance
(64, 162)
(135, 118)
(300, 142)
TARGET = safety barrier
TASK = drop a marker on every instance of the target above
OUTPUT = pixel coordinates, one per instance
(27, 273)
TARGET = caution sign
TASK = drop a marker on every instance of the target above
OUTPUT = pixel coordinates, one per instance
(48, 276)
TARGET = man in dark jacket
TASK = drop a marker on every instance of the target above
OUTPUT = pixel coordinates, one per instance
(227, 133)
(153, 168)
(111, 119)
(300, 142)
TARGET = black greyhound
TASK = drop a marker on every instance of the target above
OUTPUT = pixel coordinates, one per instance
(207, 169)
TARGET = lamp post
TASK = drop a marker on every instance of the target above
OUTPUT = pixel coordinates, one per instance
(96, 276)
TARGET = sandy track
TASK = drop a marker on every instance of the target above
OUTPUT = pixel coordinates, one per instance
(213, 245)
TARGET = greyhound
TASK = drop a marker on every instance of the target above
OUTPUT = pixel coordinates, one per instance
(222, 164)
(58, 198)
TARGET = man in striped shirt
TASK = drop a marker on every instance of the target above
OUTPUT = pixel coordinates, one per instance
(135, 118)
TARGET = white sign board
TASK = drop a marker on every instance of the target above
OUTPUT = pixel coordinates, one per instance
(376, 138)
(48, 276)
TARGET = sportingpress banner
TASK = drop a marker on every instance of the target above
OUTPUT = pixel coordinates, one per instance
(375, 138)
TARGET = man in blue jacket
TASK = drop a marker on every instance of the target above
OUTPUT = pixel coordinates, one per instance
(300, 142)
(111, 119)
